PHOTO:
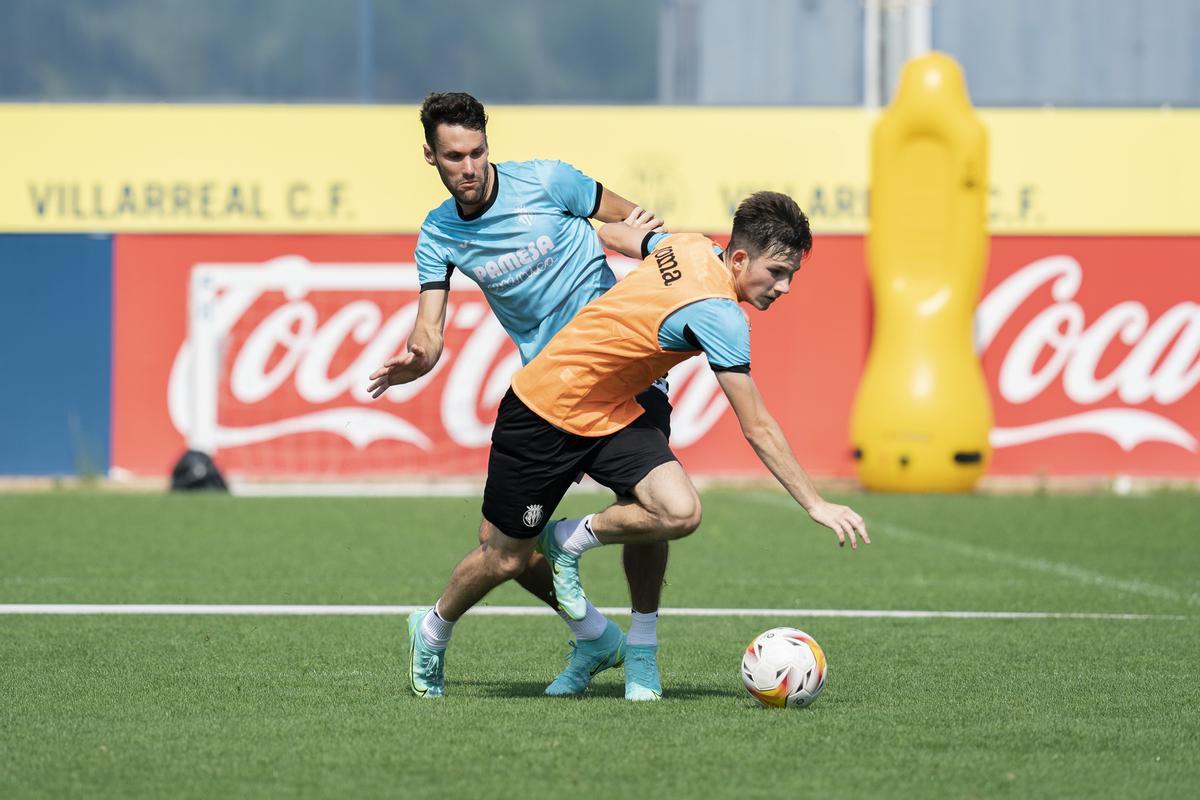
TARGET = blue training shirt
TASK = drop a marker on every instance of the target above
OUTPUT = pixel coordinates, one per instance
(530, 248)
(717, 326)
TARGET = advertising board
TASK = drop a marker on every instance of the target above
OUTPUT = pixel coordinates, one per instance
(1089, 372)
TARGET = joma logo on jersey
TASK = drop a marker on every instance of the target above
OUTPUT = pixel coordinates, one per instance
(510, 262)
(668, 267)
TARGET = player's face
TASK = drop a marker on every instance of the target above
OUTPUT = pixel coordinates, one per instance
(763, 279)
(461, 157)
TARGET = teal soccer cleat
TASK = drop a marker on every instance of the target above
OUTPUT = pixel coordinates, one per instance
(568, 591)
(641, 672)
(588, 659)
(425, 663)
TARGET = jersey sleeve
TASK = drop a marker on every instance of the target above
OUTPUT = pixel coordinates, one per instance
(433, 267)
(570, 189)
(715, 326)
(651, 241)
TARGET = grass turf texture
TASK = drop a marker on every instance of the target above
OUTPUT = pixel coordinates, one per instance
(250, 706)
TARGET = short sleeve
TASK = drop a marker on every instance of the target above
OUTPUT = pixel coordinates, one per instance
(718, 327)
(570, 189)
(433, 268)
(651, 241)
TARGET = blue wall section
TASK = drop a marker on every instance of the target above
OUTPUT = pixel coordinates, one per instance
(55, 353)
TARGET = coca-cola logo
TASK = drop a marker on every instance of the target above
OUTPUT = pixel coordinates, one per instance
(306, 359)
(1061, 346)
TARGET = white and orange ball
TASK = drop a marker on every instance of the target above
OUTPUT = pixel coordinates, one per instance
(784, 668)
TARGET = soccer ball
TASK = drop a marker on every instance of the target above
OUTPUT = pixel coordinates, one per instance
(784, 667)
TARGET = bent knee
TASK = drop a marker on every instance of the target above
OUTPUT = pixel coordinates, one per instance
(681, 517)
(501, 558)
(503, 564)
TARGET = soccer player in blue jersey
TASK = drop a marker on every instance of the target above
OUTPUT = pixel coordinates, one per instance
(520, 230)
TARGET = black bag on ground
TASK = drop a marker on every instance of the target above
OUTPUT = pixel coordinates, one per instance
(195, 470)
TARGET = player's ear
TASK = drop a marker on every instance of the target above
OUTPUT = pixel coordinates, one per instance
(428, 155)
(739, 261)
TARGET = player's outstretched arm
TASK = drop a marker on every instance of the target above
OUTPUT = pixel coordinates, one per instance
(424, 345)
(766, 437)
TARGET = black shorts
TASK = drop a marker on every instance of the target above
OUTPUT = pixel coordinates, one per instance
(533, 463)
(658, 407)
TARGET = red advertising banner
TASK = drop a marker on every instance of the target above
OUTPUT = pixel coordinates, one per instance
(1091, 348)
(1089, 345)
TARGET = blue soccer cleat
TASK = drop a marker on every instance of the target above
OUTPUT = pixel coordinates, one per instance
(588, 659)
(425, 663)
(568, 591)
(641, 672)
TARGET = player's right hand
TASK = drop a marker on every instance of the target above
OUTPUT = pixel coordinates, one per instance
(404, 368)
(644, 220)
(842, 520)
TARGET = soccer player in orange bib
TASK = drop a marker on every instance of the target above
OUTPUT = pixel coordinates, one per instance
(572, 409)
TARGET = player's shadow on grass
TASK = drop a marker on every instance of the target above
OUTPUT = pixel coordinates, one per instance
(608, 690)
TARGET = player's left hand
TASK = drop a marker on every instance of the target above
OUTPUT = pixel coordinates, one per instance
(644, 220)
(842, 520)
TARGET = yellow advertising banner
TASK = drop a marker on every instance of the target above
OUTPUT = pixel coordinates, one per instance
(358, 169)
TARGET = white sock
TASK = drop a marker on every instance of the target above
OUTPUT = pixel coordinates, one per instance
(575, 535)
(643, 629)
(435, 631)
(591, 627)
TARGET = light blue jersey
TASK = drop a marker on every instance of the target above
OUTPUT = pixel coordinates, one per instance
(716, 326)
(531, 249)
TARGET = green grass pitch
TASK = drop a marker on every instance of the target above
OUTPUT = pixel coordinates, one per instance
(223, 706)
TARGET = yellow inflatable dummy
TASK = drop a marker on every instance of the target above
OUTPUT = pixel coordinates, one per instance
(922, 416)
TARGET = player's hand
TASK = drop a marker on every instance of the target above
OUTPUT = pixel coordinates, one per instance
(643, 220)
(404, 368)
(843, 521)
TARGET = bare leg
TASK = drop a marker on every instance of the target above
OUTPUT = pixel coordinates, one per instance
(645, 569)
(536, 579)
(497, 560)
(665, 507)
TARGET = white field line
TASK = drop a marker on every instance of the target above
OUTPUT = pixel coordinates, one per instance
(1071, 571)
(1136, 586)
(1143, 588)
(539, 611)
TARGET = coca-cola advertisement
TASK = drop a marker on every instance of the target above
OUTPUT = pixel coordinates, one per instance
(1091, 349)
(257, 349)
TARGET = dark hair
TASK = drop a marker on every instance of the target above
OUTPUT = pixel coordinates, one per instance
(770, 222)
(451, 108)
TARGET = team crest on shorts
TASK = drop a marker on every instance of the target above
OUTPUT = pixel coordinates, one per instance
(533, 515)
